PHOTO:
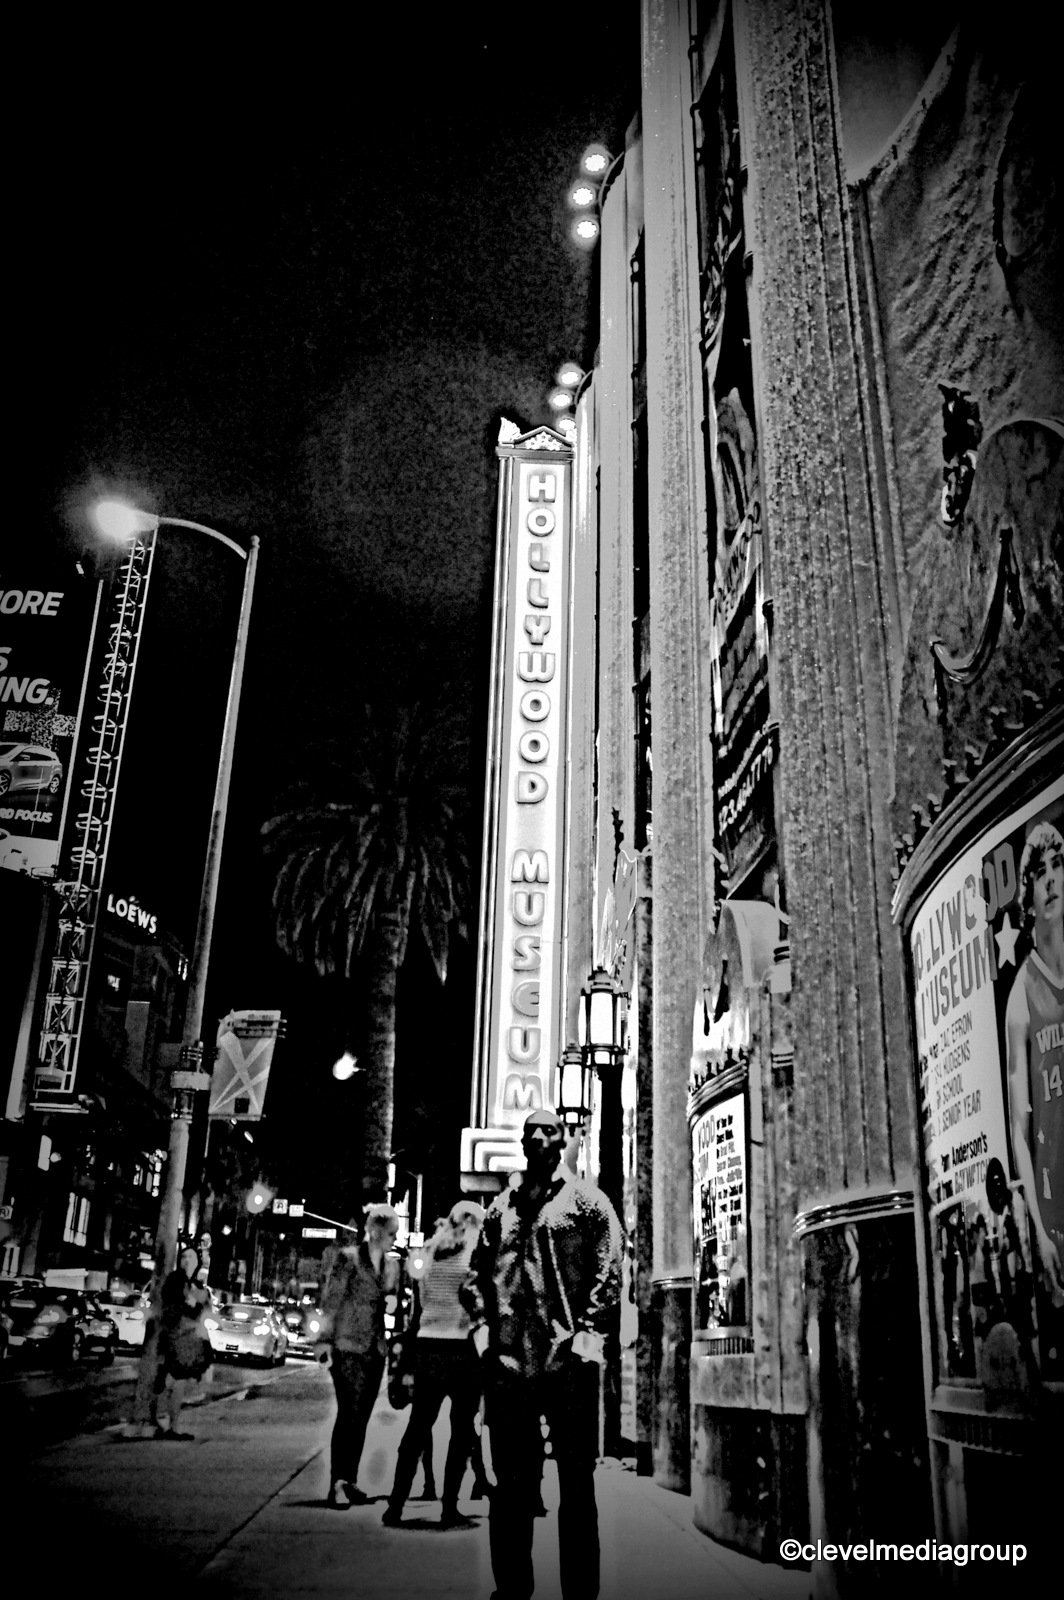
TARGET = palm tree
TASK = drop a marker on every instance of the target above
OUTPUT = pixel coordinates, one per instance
(378, 846)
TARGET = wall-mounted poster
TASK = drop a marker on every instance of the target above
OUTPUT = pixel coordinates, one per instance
(718, 1143)
(987, 955)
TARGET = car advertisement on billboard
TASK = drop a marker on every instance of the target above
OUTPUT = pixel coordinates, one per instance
(46, 616)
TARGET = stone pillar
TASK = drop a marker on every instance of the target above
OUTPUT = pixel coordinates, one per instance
(676, 523)
(855, 1144)
(646, 1359)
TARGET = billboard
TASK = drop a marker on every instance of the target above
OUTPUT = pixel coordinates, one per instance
(46, 616)
(986, 954)
(519, 1000)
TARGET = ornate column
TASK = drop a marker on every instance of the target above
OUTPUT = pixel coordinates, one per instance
(853, 1114)
(676, 523)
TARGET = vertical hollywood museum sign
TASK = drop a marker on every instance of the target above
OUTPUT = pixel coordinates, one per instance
(519, 989)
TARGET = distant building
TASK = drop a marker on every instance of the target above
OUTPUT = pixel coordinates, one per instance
(84, 1183)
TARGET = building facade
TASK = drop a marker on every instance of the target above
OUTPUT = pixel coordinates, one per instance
(818, 484)
(83, 1184)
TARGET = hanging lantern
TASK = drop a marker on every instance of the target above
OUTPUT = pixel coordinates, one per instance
(603, 1021)
(574, 1087)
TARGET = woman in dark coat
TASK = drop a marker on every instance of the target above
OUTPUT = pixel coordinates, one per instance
(353, 1303)
(184, 1343)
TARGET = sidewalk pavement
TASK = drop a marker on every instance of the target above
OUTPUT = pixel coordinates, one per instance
(41, 1405)
(240, 1514)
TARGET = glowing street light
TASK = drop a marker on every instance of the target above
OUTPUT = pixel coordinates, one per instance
(586, 231)
(115, 519)
(569, 374)
(560, 399)
(345, 1067)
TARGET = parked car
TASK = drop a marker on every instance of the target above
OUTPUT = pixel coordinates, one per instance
(129, 1313)
(304, 1328)
(248, 1331)
(29, 766)
(58, 1325)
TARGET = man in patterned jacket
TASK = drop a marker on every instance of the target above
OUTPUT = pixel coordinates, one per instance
(544, 1281)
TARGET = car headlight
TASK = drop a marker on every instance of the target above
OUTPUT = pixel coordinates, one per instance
(210, 1324)
(314, 1326)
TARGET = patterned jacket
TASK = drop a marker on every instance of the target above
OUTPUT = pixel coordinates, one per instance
(353, 1301)
(539, 1276)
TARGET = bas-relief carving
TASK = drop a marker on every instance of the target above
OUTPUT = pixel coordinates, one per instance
(1017, 490)
(964, 231)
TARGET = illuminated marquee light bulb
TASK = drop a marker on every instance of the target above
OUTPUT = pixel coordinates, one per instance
(595, 160)
(582, 195)
(560, 399)
(569, 374)
(586, 231)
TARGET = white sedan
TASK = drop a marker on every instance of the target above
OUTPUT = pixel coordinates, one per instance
(248, 1331)
(129, 1313)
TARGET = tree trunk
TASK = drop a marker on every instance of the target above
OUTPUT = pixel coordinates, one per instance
(380, 1053)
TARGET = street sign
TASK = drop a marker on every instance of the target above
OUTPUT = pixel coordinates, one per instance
(280, 1207)
(319, 1233)
(296, 1208)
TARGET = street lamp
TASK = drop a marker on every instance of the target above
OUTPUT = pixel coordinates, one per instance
(574, 1087)
(116, 519)
(602, 1021)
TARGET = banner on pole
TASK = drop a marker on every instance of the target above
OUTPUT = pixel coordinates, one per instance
(246, 1041)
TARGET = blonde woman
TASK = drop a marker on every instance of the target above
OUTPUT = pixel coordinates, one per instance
(445, 1365)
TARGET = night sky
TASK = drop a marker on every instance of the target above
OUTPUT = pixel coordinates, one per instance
(287, 286)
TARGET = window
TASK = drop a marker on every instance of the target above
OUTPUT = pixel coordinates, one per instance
(76, 1227)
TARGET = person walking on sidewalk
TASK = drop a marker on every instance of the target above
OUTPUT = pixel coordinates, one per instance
(544, 1282)
(353, 1304)
(184, 1343)
(444, 1365)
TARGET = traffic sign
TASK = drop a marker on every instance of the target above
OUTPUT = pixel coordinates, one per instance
(280, 1207)
(296, 1208)
(319, 1233)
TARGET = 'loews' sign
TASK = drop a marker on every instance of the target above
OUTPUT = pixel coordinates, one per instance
(128, 909)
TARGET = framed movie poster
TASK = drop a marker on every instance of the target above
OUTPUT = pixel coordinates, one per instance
(986, 949)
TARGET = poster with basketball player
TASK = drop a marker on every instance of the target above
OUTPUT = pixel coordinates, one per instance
(987, 958)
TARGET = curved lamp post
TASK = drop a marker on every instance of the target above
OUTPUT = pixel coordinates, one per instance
(118, 520)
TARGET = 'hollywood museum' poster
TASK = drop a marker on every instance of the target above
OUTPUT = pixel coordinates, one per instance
(719, 1147)
(987, 953)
